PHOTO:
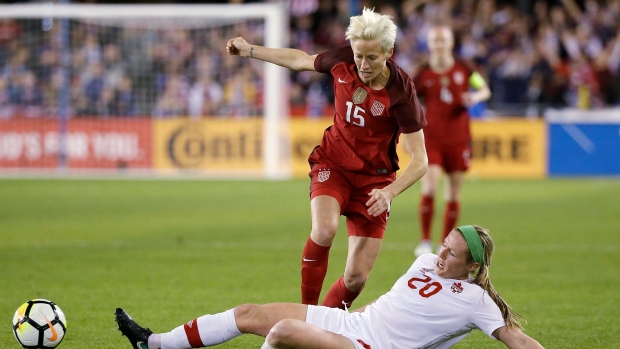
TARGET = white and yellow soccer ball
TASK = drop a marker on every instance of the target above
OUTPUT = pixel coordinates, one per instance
(39, 323)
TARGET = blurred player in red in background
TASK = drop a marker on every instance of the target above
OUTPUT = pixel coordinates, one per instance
(353, 169)
(447, 86)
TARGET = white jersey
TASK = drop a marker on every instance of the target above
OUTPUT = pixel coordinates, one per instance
(423, 310)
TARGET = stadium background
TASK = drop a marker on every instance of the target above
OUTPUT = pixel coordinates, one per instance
(546, 158)
(171, 101)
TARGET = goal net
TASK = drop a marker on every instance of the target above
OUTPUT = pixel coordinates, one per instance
(145, 89)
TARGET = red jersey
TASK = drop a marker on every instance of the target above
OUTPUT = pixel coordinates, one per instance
(368, 122)
(448, 118)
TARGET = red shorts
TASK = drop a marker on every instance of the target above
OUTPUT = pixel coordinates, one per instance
(351, 190)
(452, 158)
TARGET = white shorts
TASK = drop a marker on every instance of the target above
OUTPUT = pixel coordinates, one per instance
(349, 325)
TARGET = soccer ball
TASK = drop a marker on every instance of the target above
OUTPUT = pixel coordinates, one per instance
(39, 323)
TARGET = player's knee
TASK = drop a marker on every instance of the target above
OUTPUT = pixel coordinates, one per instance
(324, 233)
(245, 317)
(282, 334)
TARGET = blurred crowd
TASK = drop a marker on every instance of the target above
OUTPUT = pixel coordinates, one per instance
(118, 70)
(549, 54)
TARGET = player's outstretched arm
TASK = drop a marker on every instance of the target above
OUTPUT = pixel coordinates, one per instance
(285, 57)
(414, 146)
(515, 339)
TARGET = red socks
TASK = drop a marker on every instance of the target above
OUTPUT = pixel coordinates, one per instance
(339, 296)
(450, 216)
(313, 270)
(426, 215)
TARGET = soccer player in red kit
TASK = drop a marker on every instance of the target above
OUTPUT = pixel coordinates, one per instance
(353, 169)
(447, 86)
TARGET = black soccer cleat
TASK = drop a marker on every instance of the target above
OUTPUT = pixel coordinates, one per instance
(137, 335)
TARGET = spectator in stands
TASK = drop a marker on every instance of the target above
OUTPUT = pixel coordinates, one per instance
(91, 49)
(173, 100)
(93, 89)
(10, 32)
(317, 99)
(607, 70)
(6, 110)
(47, 64)
(114, 67)
(241, 95)
(51, 92)
(125, 98)
(510, 68)
(16, 65)
(206, 96)
(27, 94)
(106, 104)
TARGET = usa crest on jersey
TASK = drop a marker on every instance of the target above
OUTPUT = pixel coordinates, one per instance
(323, 176)
(377, 108)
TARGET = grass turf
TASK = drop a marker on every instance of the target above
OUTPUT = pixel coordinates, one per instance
(170, 251)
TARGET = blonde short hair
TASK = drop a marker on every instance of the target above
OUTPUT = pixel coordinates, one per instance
(371, 25)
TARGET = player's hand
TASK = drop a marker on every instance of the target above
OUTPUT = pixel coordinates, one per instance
(467, 99)
(238, 46)
(379, 202)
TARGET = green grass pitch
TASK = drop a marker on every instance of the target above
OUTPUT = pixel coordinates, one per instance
(169, 251)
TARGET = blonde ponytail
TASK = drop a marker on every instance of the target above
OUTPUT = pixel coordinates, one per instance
(511, 317)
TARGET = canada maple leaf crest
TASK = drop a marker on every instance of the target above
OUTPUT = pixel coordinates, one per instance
(457, 287)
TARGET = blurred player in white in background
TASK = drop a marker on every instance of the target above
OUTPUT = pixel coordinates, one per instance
(447, 87)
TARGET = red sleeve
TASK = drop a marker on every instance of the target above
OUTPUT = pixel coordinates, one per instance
(325, 61)
(406, 109)
(417, 78)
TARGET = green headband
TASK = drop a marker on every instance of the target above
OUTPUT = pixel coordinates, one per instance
(474, 242)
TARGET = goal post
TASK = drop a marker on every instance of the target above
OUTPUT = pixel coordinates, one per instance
(184, 34)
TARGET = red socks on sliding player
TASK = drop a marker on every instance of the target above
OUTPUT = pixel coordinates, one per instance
(313, 270)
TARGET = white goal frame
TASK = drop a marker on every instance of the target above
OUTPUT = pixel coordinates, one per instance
(275, 15)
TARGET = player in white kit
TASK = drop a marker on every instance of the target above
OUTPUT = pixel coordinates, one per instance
(435, 304)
